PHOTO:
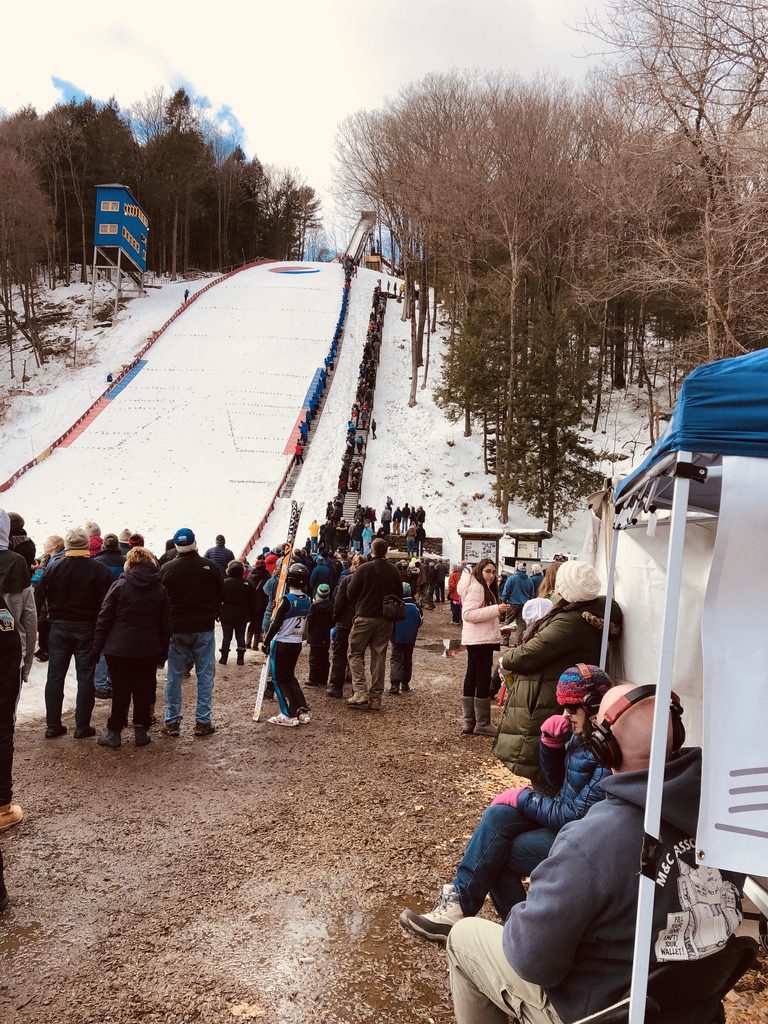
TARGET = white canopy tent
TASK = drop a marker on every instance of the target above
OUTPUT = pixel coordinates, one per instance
(708, 478)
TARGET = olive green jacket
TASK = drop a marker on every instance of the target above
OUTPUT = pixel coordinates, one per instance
(572, 635)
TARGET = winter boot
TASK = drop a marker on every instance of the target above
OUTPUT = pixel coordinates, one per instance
(224, 656)
(10, 814)
(483, 725)
(240, 657)
(435, 926)
(142, 736)
(468, 723)
(110, 739)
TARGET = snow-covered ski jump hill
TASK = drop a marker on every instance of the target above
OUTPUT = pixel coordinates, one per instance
(201, 432)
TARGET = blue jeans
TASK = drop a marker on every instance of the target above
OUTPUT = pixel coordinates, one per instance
(313, 544)
(67, 639)
(101, 679)
(504, 848)
(200, 649)
(410, 546)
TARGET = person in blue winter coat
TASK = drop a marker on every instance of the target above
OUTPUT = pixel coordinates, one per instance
(516, 591)
(517, 830)
(220, 555)
(320, 574)
(404, 634)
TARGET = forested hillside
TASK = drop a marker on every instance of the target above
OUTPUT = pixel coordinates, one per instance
(609, 236)
(209, 206)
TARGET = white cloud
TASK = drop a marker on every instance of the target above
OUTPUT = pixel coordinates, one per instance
(291, 71)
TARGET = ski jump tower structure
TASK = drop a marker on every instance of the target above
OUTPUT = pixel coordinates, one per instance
(120, 235)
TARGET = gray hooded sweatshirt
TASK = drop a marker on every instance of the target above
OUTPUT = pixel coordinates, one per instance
(574, 935)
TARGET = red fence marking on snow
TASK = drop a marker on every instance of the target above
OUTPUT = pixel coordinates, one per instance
(83, 422)
(294, 435)
(59, 442)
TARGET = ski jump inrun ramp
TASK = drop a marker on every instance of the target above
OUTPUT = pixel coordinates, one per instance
(202, 430)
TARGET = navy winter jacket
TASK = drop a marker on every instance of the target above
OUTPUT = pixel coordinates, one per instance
(320, 574)
(575, 771)
(406, 630)
(536, 580)
(221, 557)
(114, 561)
(518, 588)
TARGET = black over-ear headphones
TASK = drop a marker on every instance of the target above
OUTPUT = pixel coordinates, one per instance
(603, 744)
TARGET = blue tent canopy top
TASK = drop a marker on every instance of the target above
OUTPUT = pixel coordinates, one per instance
(722, 409)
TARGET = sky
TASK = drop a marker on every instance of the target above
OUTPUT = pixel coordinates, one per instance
(285, 74)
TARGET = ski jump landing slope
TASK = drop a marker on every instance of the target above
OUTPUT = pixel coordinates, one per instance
(201, 433)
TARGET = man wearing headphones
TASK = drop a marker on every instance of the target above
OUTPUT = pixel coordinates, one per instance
(566, 951)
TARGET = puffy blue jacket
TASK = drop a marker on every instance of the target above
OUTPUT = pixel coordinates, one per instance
(536, 580)
(574, 769)
(406, 631)
(221, 557)
(517, 589)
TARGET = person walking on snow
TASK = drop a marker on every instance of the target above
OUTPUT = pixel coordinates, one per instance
(298, 453)
(373, 429)
(282, 645)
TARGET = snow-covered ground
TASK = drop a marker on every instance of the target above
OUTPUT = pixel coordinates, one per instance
(202, 433)
(200, 436)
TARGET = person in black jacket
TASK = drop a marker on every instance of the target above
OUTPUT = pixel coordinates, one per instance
(133, 630)
(319, 636)
(111, 556)
(370, 585)
(19, 541)
(256, 580)
(74, 587)
(195, 587)
(237, 610)
(343, 617)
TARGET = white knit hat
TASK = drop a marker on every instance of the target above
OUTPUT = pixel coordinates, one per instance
(76, 539)
(577, 581)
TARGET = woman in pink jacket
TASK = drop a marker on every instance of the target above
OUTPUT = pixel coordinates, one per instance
(481, 616)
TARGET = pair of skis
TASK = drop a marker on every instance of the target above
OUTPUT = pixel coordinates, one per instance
(290, 543)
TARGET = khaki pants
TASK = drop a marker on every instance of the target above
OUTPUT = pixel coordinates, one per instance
(373, 633)
(484, 987)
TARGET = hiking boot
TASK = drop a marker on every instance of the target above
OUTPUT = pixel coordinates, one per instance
(142, 736)
(241, 657)
(281, 719)
(103, 694)
(357, 700)
(332, 691)
(405, 687)
(204, 728)
(41, 655)
(10, 814)
(395, 690)
(222, 659)
(435, 926)
(110, 739)
(52, 731)
(84, 732)
(171, 729)
(374, 705)
(304, 718)
(269, 693)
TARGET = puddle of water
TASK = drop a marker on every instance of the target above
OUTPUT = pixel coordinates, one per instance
(449, 648)
(19, 936)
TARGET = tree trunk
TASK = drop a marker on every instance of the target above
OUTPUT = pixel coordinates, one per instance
(174, 240)
(414, 363)
(599, 387)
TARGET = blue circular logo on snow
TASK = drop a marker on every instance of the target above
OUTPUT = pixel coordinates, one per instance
(294, 270)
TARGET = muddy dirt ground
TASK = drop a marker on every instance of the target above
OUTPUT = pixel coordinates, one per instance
(256, 874)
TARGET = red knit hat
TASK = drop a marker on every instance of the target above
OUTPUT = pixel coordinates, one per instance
(136, 540)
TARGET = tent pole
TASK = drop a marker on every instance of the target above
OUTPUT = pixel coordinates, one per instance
(608, 601)
(652, 822)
